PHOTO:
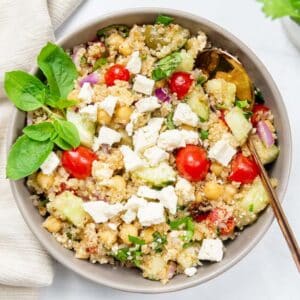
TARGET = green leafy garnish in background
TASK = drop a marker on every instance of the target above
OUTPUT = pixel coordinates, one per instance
(166, 66)
(281, 8)
(165, 20)
(28, 93)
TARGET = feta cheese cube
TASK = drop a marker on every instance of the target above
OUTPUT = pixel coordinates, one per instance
(50, 164)
(222, 151)
(133, 119)
(151, 214)
(112, 226)
(168, 198)
(170, 140)
(102, 211)
(109, 104)
(190, 137)
(129, 216)
(147, 104)
(184, 115)
(155, 155)
(135, 203)
(86, 92)
(131, 159)
(211, 249)
(90, 112)
(190, 271)
(185, 190)
(134, 64)
(108, 136)
(143, 85)
(146, 192)
(146, 136)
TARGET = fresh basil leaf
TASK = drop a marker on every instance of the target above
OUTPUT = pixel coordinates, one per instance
(165, 20)
(280, 8)
(166, 66)
(27, 92)
(26, 156)
(59, 70)
(135, 240)
(62, 144)
(68, 132)
(61, 103)
(39, 132)
(99, 63)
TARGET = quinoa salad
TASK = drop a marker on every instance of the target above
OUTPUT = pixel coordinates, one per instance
(135, 147)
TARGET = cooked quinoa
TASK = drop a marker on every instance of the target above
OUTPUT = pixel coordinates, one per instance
(139, 206)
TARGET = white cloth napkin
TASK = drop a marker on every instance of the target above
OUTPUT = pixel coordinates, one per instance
(25, 26)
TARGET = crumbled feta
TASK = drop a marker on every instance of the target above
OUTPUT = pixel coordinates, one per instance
(134, 64)
(147, 104)
(90, 112)
(190, 137)
(112, 226)
(155, 155)
(211, 249)
(168, 198)
(102, 211)
(184, 115)
(222, 151)
(131, 159)
(143, 85)
(86, 92)
(190, 271)
(185, 190)
(109, 104)
(101, 170)
(129, 216)
(108, 136)
(135, 202)
(146, 136)
(146, 192)
(170, 140)
(151, 214)
(50, 164)
(133, 119)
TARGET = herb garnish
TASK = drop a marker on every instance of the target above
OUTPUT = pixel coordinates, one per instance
(165, 20)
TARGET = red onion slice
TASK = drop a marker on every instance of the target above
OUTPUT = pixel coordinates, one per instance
(162, 94)
(92, 78)
(265, 133)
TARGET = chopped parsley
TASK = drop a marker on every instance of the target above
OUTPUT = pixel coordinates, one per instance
(169, 121)
(201, 79)
(99, 63)
(165, 20)
(203, 134)
(185, 223)
(251, 207)
(159, 240)
(242, 104)
(135, 240)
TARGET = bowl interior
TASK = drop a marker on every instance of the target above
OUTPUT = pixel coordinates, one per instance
(131, 280)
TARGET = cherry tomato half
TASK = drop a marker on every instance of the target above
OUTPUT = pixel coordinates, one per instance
(192, 162)
(116, 72)
(222, 219)
(78, 162)
(243, 169)
(258, 112)
(180, 83)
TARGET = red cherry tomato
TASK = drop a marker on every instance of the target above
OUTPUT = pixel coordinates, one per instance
(180, 83)
(192, 162)
(258, 112)
(116, 72)
(78, 162)
(228, 227)
(222, 219)
(243, 169)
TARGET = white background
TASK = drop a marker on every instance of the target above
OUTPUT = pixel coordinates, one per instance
(268, 271)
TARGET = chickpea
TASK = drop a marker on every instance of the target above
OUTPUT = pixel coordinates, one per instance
(118, 182)
(108, 237)
(229, 192)
(125, 231)
(216, 168)
(198, 196)
(122, 114)
(147, 235)
(44, 181)
(213, 190)
(115, 40)
(52, 224)
(103, 117)
(125, 49)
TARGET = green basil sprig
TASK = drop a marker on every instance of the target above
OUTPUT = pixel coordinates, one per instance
(29, 93)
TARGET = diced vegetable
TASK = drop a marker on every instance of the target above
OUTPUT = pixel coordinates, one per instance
(162, 94)
(180, 83)
(265, 133)
(187, 62)
(165, 20)
(69, 206)
(92, 78)
(86, 128)
(266, 155)
(158, 176)
(198, 103)
(120, 28)
(238, 124)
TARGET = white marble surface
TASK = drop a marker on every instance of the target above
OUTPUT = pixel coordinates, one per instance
(268, 271)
